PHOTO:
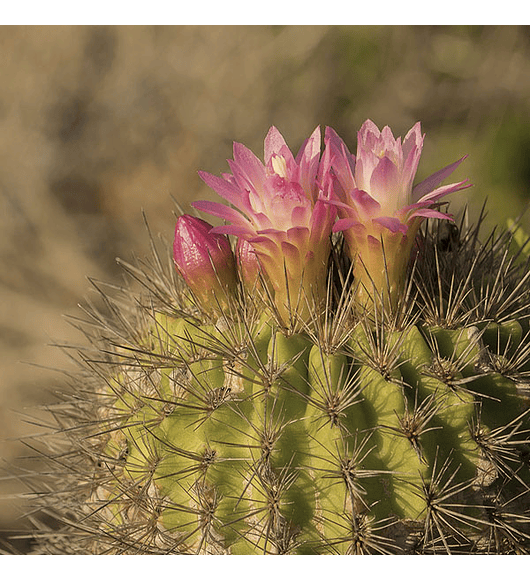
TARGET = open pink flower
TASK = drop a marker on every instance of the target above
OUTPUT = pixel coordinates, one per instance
(281, 209)
(206, 262)
(380, 212)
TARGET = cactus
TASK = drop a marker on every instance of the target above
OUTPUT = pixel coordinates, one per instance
(249, 406)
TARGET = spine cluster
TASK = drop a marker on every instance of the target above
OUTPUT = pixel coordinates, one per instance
(345, 378)
(389, 433)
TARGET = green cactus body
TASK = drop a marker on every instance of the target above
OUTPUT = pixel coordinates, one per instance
(235, 435)
(276, 445)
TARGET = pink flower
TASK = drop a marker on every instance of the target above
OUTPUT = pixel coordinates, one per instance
(379, 211)
(281, 208)
(206, 262)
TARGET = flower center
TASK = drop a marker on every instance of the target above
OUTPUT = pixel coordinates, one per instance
(279, 165)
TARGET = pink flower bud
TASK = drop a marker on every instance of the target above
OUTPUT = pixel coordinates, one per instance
(205, 261)
(248, 264)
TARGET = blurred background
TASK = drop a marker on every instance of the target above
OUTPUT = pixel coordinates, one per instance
(98, 123)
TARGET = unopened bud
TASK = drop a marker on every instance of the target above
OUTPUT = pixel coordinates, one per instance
(205, 261)
(248, 264)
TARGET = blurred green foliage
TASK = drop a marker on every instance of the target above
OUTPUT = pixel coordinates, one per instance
(468, 85)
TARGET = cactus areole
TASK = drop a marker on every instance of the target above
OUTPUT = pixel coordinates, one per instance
(339, 368)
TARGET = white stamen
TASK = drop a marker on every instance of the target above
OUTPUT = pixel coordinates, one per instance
(279, 165)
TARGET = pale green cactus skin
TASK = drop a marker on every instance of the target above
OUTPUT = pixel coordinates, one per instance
(233, 436)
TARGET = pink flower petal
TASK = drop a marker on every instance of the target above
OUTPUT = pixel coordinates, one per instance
(432, 198)
(272, 233)
(241, 178)
(337, 145)
(428, 185)
(435, 195)
(369, 131)
(310, 149)
(298, 236)
(392, 224)
(366, 203)
(389, 144)
(266, 243)
(413, 140)
(384, 182)
(259, 220)
(248, 262)
(409, 169)
(341, 159)
(345, 224)
(307, 162)
(374, 243)
(291, 253)
(222, 187)
(323, 217)
(246, 166)
(274, 142)
(325, 180)
(219, 210)
(341, 205)
(300, 215)
(229, 177)
(431, 213)
(412, 149)
(233, 230)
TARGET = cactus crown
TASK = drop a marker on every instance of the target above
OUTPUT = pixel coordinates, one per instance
(294, 411)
